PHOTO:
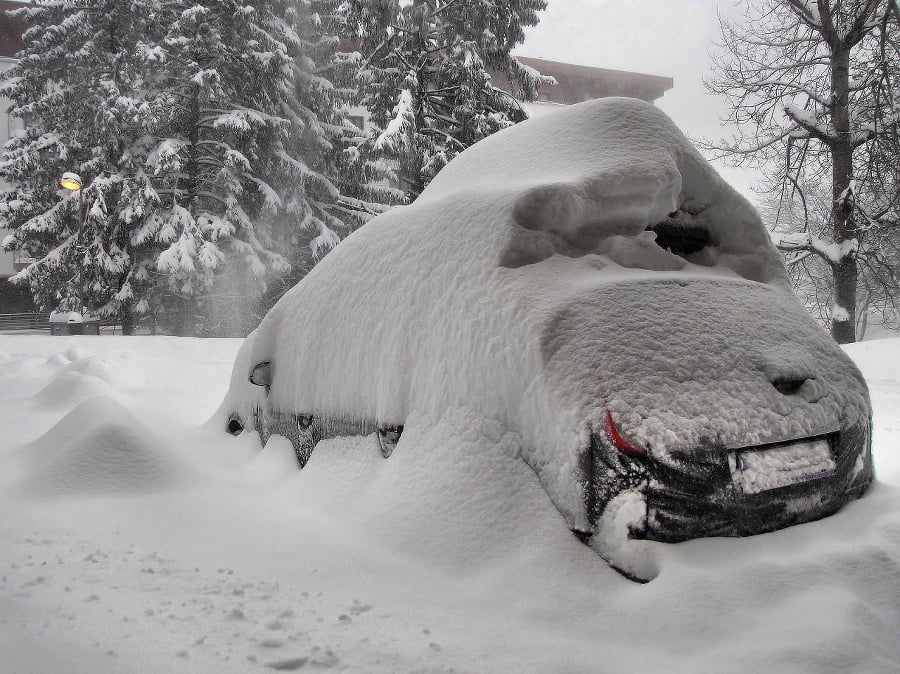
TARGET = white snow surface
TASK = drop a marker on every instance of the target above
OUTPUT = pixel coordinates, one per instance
(522, 285)
(134, 537)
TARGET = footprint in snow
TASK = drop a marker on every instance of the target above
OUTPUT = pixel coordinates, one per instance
(357, 608)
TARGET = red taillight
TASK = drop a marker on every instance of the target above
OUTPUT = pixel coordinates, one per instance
(618, 441)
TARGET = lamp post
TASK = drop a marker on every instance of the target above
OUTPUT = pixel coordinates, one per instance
(72, 182)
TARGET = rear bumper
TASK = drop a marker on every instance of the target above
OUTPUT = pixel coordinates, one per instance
(693, 501)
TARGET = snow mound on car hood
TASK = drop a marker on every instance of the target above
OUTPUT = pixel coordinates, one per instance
(706, 374)
(450, 302)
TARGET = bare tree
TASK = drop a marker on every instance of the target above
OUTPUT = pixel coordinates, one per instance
(801, 224)
(813, 91)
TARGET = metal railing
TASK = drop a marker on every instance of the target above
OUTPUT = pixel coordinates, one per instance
(36, 321)
(41, 321)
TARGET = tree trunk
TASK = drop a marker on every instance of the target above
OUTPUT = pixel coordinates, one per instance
(192, 166)
(843, 323)
(413, 182)
(126, 319)
(188, 317)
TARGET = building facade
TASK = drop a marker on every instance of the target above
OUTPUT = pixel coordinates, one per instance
(12, 298)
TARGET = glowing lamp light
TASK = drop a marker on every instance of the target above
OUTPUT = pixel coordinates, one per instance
(71, 181)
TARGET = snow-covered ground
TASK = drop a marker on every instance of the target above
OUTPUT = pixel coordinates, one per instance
(135, 538)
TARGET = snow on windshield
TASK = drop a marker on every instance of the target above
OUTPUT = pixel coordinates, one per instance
(452, 302)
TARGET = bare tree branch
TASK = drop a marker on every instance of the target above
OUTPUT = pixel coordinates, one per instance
(813, 92)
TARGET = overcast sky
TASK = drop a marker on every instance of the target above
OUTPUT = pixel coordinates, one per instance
(661, 37)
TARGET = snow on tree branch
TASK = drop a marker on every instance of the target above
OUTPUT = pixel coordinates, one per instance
(813, 90)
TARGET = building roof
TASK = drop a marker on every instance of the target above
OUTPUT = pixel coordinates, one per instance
(575, 83)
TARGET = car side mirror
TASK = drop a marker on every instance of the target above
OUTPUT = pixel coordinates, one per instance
(261, 375)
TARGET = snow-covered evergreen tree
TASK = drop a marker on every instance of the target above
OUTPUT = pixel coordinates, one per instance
(207, 133)
(78, 87)
(300, 199)
(424, 76)
(332, 190)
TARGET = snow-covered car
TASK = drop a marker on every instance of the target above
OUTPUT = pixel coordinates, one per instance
(587, 280)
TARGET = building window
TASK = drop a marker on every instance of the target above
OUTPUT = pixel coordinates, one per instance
(358, 121)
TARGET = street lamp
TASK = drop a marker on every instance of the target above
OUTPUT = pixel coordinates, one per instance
(71, 181)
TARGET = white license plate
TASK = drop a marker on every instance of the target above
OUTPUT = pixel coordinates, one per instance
(759, 470)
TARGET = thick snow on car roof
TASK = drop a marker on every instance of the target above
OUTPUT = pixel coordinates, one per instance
(488, 293)
(606, 167)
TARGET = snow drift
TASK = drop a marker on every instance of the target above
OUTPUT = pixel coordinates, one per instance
(447, 557)
(100, 447)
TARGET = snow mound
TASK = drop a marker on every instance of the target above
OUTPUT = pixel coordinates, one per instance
(277, 460)
(454, 492)
(80, 376)
(58, 360)
(23, 376)
(100, 447)
(71, 387)
(74, 353)
(634, 558)
(94, 367)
